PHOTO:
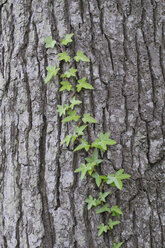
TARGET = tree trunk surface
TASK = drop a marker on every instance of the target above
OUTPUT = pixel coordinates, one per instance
(42, 200)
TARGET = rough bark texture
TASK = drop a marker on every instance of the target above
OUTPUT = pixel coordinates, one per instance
(41, 199)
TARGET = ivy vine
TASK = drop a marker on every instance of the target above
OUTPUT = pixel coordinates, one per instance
(90, 166)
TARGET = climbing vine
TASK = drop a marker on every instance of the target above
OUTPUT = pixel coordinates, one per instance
(69, 82)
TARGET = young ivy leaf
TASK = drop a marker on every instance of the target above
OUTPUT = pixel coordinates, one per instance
(74, 137)
(88, 118)
(67, 39)
(103, 141)
(116, 179)
(74, 102)
(81, 56)
(67, 140)
(64, 56)
(112, 223)
(104, 208)
(92, 165)
(94, 157)
(115, 210)
(117, 245)
(84, 168)
(66, 85)
(102, 196)
(97, 178)
(62, 109)
(49, 42)
(84, 145)
(52, 72)
(102, 228)
(72, 116)
(70, 73)
(79, 130)
(92, 202)
(83, 84)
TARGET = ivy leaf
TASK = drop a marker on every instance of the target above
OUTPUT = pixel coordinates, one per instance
(116, 179)
(81, 56)
(84, 145)
(71, 117)
(79, 130)
(74, 137)
(122, 176)
(102, 196)
(84, 168)
(64, 56)
(94, 157)
(88, 118)
(117, 245)
(83, 84)
(52, 72)
(92, 165)
(97, 179)
(67, 39)
(92, 202)
(67, 140)
(104, 208)
(115, 210)
(74, 102)
(112, 223)
(102, 228)
(70, 73)
(103, 141)
(49, 42)
(66, 85)
(62, 109)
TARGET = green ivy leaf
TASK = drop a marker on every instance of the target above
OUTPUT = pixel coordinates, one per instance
(71, 117)
(116, 179)
(102, 228)
(84, 145)
(49, 42)
(122, 176)
(67, 140)
(112, 223)
(116, 211)
(79, 130)
(70, 73)
(66, 85)
(88, 118)
(97, 179)
(83, 84)
(74, 102)
(92, 167)
(81, 56)
(94, 157)
(117, 245)
(102, 196)
(92, 202)
(62, 109)
(104, 208)
(84, 168)
(74, 137)
(67, 39)
(52, 72)
(103, 141)
(64, 56)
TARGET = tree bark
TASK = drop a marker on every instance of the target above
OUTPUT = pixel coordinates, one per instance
(42, 201)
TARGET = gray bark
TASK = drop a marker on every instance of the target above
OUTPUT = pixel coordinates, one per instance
(41, 199)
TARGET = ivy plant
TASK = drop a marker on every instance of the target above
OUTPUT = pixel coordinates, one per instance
(70, 83)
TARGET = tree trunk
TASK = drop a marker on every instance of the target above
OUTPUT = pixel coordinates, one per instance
(42, 200)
